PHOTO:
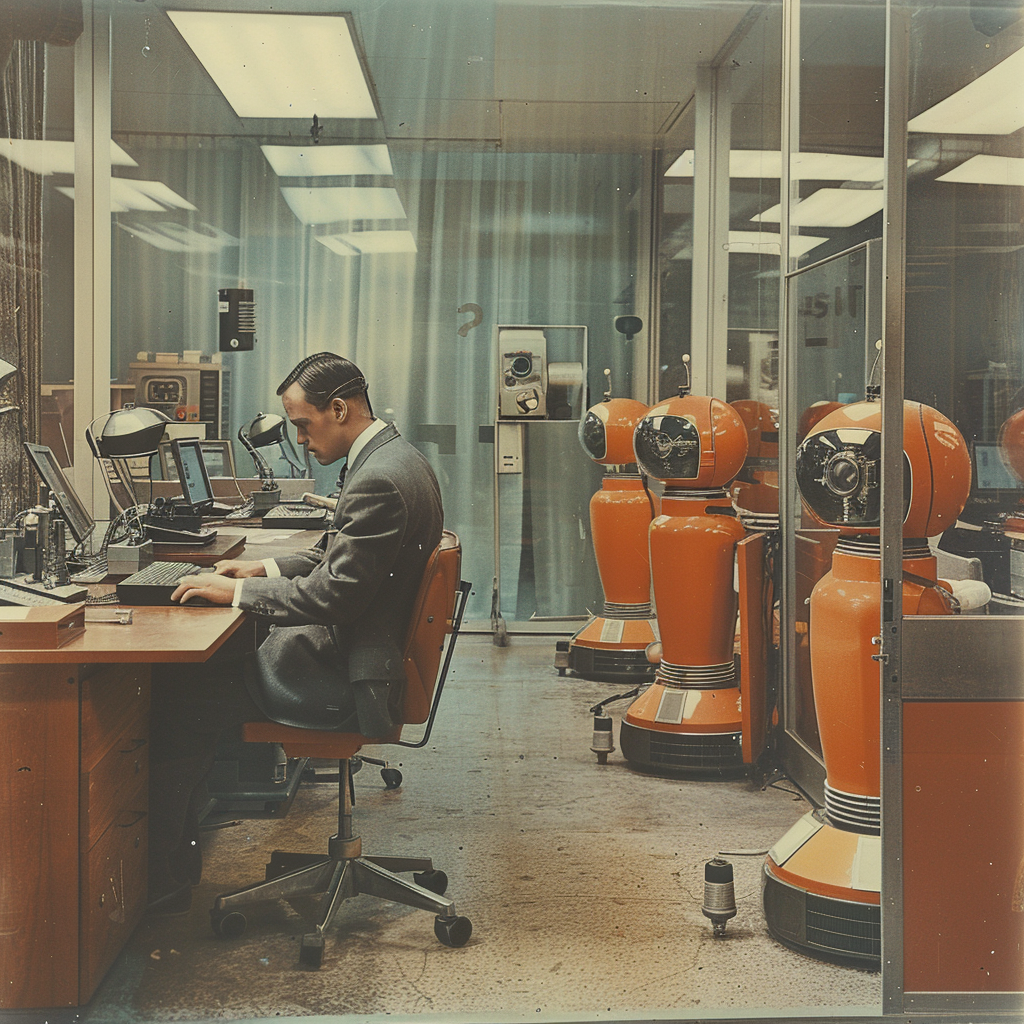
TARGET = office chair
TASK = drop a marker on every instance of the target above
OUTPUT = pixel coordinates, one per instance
(344, 872)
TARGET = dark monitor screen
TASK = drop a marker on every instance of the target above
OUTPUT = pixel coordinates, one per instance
(990, 472)
(192, 472)
(76, 515)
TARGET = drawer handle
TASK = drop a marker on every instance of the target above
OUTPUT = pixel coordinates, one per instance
(136, 744)
(139, 815)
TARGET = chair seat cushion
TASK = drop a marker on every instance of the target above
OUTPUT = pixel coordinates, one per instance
(311, 742)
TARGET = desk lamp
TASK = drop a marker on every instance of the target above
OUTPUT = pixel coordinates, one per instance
(612, 646)
(822, 879)
(266, 429)
(127, 433)
(690, 718)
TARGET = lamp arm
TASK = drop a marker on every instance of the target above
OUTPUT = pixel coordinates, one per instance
(262, 467)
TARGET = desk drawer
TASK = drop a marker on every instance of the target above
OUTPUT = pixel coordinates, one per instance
(112, 697)
(118, 782)
(113, 896)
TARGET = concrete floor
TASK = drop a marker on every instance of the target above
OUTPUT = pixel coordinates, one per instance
(584, 884)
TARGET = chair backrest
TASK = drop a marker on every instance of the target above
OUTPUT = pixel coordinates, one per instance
(431, 621)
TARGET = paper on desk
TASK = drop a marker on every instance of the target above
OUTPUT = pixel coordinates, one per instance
(266, 536)
(13, 614)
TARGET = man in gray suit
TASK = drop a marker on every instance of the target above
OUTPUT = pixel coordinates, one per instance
(338, 613)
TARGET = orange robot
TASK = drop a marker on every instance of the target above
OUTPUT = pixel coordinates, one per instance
(756, 490)
(822, 879)
(613, 646)
(689, 719)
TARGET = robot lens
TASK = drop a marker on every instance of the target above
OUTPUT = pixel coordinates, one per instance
(521, 366)
(842, 475)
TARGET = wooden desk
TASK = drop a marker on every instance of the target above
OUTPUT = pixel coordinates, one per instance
(74, 788)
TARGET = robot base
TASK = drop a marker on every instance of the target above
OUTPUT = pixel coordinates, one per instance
(681, 752)
(821, 893)
(610, 650)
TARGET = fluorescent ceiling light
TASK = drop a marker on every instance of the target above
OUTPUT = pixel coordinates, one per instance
(767, 243)
(829, 208)
(328, 161)
(50, 156)
(326, 205)
(766, 163)
(354, 243)
(990, 105)
(174, 237)
(129, 194)
(988, 170)
(280, 65)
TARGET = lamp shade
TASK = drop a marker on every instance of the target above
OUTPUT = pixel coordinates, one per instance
(128, 432)
(7, 371)
(267, 428)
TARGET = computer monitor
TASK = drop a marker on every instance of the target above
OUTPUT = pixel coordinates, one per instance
(192, 472)
(217, 454)
(991, 476)
(76, 515)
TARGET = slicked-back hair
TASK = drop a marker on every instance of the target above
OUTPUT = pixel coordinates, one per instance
(325, 376)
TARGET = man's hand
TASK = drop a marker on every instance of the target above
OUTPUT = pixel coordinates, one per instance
(239, 568)
(210, 586)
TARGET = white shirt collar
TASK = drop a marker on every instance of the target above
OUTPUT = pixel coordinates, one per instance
(361, 441)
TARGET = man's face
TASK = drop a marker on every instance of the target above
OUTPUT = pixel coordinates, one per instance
(326, 433)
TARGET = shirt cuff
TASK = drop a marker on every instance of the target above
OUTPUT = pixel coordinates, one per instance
(236, 601)
(270, 565)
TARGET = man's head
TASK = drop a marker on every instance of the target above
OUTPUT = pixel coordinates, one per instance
(325, 398)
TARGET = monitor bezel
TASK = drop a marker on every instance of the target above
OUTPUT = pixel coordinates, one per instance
(64, 495)
(196, 444)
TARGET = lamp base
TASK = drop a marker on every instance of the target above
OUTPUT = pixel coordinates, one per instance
(264, 501)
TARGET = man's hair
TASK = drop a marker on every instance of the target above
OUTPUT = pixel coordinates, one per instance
(325, 376)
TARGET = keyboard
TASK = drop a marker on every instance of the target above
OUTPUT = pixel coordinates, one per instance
(296, 517)
(34, 594)
(155, 583)
(95, 571)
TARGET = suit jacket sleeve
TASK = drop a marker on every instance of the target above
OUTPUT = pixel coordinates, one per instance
(358, 558)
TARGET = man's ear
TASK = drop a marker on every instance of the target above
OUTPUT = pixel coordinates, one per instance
(340, 409)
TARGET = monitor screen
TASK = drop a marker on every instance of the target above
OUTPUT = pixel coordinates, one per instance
(192, 473)
(990, 472)
(76, 515)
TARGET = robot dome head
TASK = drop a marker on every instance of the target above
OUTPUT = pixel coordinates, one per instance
(812, 415)
(694, 441)
(1011, 444)
(762, 428)
(606, 431)
(839, 470)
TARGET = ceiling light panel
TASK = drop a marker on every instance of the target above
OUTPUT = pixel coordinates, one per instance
(992, 104)
(280, 65)
(127, 194)
(766, 163)
(988, 170)
(327, 205)
(328, 161)
(829, 208)
(51, 156)
(354, 243)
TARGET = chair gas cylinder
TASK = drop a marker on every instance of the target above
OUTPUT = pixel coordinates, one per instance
(690, 718)
(719, 896)
(822, 879)
(611, 646)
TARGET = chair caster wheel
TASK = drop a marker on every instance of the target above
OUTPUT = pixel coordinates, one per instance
(392, 777)
(435, 881)
(452, 931)
(227, 925)
(311, 952)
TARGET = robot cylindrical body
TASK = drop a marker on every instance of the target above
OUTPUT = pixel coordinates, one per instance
(689, 719)
(612, 646)
(828, 866)
(620, 515)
